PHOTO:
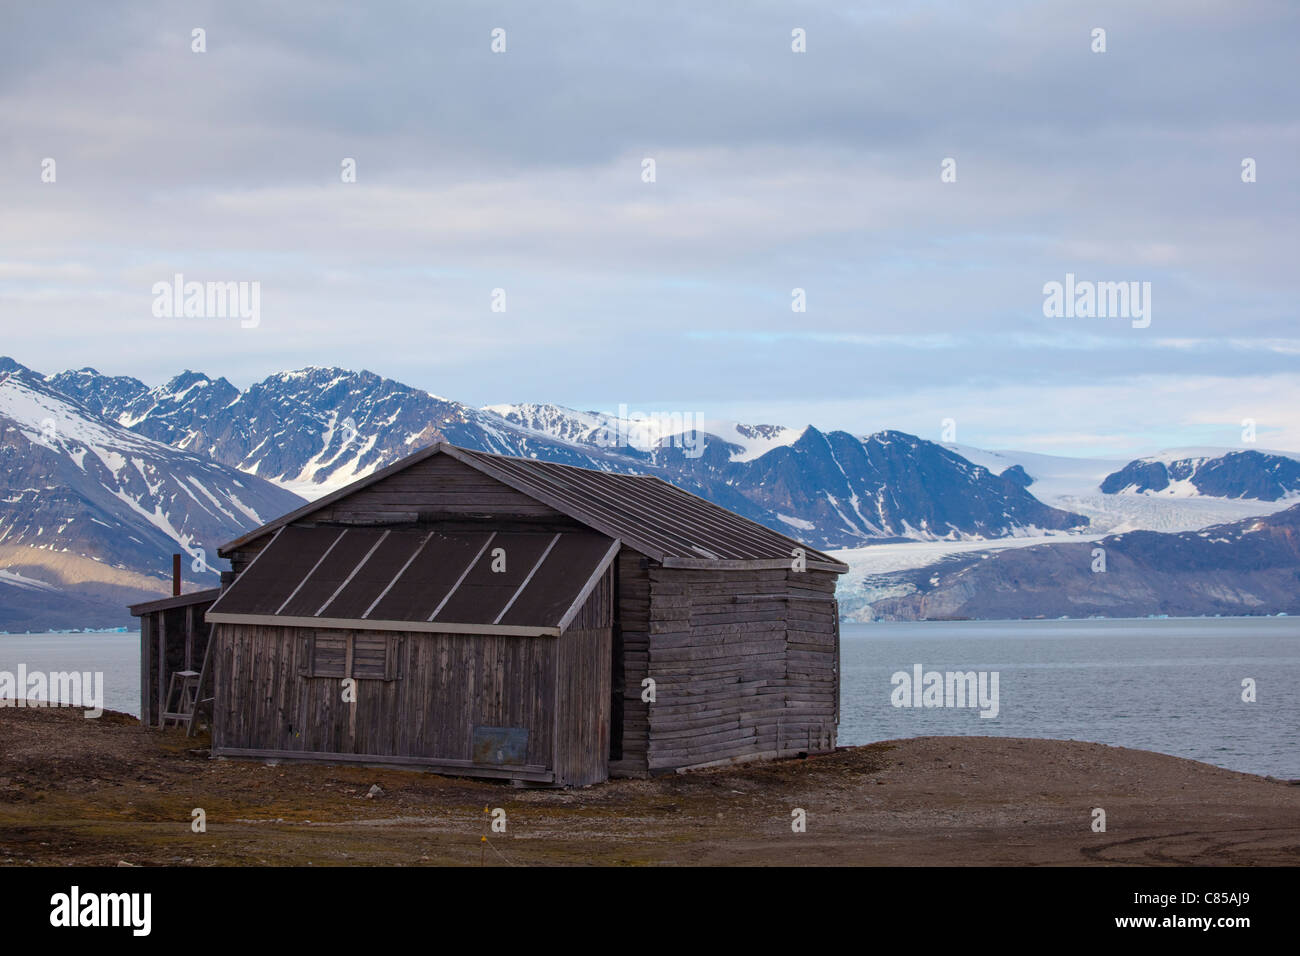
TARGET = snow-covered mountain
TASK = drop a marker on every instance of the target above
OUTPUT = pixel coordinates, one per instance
(884, 573)
(1211, 473)
(887, 485)
(1250, 566)
(91, 511)
(313, 430)
(901, 508)
(1050, 477)
(645, 431)
(316, 429)
(1089, 486)
(102, 394)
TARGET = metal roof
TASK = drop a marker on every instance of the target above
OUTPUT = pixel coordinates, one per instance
(376, 579)
(166, 604)
(648, 514)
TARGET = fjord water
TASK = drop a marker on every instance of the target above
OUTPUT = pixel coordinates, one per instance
(1173, 686)
(1168, 685)
(116, 656)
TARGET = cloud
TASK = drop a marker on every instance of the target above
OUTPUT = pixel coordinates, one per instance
(774, 170)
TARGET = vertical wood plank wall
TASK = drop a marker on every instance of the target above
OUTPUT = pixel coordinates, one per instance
(582, 706)
(557, 688)
(583, 689)
(746, 664)
(634, 623)
(148, 678)
(449, 684)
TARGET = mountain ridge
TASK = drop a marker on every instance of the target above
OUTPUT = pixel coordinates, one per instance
(1251, 566)
(316, 429)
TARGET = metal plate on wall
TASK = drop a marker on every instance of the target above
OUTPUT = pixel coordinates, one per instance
(501, 745)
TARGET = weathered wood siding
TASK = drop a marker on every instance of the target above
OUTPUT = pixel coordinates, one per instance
(583, 674)
(171, 640)
(419, 697)
(447, 685)
(631, 663)
(746, 664)
(440, 485)
(582, 706)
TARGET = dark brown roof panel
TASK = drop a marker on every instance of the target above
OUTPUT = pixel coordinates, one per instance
(333, 571)
(373, 576)
(390, 580)
(573, 561)
(293, 553)
(485, 593)
(431, 576)
(166, 604)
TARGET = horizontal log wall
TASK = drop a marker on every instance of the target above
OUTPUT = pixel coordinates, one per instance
(439, 484)
(746, 664)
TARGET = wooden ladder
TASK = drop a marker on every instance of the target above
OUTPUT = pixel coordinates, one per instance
(198, 687)
(184, 691)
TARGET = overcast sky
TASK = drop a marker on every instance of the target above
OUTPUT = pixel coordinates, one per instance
(774, 170)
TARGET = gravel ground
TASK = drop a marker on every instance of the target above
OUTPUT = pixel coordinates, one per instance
(107, 791)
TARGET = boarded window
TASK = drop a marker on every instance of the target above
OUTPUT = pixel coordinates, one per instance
(370, 657)
(360, 655)
(330, 654)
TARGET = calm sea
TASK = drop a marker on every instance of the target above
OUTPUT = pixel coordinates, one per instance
(1172, 686)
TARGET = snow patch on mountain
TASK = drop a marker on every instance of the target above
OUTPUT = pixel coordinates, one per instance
(76, 483)
(1168, 456)
(644, 431)
(1053, 476)
(22, 581)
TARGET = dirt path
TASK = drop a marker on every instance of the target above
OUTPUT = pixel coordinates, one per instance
(102, 791)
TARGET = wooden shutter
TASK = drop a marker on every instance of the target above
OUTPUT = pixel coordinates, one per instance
(330, 654)
(370, 657)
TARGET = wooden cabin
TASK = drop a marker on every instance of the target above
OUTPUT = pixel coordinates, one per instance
(475, 614)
